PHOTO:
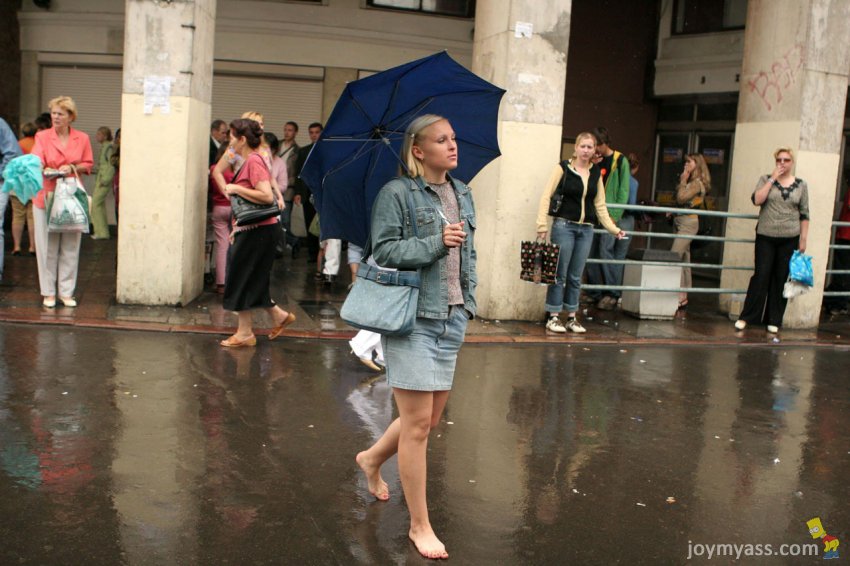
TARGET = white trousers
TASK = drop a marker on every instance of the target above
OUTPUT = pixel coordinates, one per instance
(365, 343)
(57, 255)
(333, 251)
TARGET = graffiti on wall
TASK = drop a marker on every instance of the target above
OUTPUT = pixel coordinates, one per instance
(771, 84)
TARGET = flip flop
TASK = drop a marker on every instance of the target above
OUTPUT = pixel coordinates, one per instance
(277, 330)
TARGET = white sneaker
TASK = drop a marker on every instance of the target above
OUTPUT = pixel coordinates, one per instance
(554, 324)
(740, 324)
(575, 326)
(68, 301)
(772, 329)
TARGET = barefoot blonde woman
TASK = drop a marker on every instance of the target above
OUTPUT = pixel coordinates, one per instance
(420, 367)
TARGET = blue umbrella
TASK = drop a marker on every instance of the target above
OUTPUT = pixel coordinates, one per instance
(358, 151)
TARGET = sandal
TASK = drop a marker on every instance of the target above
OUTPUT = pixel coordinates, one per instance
(277, 330)
(683, 305)
(234, 342)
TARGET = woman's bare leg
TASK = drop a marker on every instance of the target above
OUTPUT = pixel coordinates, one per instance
(416, 412)
(246, 325)
(371, 460)
(31, 231)
(17, 234)
(278, 314)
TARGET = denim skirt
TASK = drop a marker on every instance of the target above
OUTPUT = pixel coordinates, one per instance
(425, 359)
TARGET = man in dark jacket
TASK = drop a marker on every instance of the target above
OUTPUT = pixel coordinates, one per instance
(218, 136)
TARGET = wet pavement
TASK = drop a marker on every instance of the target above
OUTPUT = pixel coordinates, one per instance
(162, 448)
(317, 308)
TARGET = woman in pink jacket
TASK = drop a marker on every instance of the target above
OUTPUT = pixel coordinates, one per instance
(66, 150)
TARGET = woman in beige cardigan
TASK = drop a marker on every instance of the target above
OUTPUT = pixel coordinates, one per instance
(694, 183)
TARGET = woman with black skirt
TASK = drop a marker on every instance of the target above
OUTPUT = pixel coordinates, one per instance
(251, 251)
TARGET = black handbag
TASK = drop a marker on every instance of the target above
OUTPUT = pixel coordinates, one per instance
(246, 212)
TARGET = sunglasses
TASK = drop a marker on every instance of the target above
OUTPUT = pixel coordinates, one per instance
(783, 160)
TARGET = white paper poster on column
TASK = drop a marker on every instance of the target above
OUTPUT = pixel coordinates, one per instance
(523, 30)
(157, 93)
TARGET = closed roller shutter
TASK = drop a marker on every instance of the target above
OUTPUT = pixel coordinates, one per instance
(97, 94)
(278, 100)
(95, 90)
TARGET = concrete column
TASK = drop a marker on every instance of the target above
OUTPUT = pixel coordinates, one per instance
(533, 70)
(793, 93)
(162, 214)
(30, 104)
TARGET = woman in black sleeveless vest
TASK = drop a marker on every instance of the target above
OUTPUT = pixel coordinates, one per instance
(575, 199)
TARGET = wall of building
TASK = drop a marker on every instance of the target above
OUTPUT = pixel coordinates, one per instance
(10, 64)
(612, 45)
(696, 63)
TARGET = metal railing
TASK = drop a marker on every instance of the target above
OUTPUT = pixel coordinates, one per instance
(694, 265)
(829, 269)
(666, 235)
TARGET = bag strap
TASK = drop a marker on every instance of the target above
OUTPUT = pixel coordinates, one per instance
(387, 277)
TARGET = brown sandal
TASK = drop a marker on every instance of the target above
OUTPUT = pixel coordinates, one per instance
(234, 342)
(277, 330)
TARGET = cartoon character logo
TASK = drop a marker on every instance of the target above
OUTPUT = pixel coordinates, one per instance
(830, 543)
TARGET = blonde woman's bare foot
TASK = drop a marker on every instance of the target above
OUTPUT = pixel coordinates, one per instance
(428, 544)
(377, 486)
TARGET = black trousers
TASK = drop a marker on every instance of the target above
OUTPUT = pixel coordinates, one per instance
(764, 302)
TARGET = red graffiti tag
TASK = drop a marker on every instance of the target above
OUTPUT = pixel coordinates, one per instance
(769, 85)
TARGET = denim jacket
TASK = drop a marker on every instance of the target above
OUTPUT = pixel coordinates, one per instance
(394, 245)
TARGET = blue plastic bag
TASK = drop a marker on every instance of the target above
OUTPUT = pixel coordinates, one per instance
(801, 269)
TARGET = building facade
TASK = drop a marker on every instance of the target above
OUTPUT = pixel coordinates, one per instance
(667, 78)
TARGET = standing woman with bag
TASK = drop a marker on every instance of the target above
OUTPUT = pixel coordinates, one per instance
(420, 366)
(575, 199)
(58, 253)
(783, 227)
(694, 183)
(251, 253)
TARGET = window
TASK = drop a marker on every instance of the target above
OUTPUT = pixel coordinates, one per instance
(706, 16)
(459, 8)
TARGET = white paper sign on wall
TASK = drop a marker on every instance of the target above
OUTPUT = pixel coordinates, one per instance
(523, 29)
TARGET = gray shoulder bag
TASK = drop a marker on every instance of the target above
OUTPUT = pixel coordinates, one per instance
(384, 300)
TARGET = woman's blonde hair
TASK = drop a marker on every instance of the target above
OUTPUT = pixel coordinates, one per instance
(701, 170)
(66, 103)
(253, 115)
(412, 137)
(258, 118)
(579, 137)
(787, 150)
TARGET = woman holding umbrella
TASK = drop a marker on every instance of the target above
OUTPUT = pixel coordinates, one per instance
(420, 367)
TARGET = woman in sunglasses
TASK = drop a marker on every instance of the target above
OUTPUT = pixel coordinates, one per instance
(782, 227)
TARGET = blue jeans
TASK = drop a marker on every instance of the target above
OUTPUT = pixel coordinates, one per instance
(575, 240)
(4, 200)
(619, 251)
(606, 246)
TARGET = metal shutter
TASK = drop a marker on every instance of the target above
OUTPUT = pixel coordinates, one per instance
(96, 90)
(278, 100)
(97, 94)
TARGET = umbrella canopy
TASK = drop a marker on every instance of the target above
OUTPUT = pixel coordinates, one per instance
(358, 151)
(23, 175)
